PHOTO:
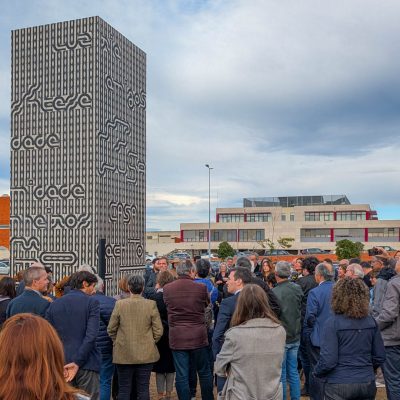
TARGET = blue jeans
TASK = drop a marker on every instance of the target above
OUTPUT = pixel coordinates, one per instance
(200, 358)
(391, 373)
(290, 373)
(106, 374)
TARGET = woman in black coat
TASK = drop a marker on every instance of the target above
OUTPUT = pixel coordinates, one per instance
(7, 293)
(164, 367)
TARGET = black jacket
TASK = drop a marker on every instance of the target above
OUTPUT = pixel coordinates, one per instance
(306, 283)
(350, 350)
(104, 342)
(3, 307)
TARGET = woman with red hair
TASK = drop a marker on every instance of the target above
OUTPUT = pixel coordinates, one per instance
(32, 362)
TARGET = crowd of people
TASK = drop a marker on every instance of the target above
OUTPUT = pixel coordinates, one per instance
(250, 331)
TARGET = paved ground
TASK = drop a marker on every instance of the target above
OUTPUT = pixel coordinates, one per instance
(381, 395)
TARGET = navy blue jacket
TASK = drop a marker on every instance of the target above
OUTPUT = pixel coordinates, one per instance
(75, 316)
(28, 302)
(318, 311)
(350, 350)
(104, 342)
(226, 310)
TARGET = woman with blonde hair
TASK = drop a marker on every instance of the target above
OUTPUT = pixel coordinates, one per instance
(32, 362)
(256, 335)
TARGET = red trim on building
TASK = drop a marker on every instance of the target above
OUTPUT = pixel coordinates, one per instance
(368, 215)
(182, 235)
(217, 218)
(245, 217)
(332, 235)
(334, 216)
(366, 235)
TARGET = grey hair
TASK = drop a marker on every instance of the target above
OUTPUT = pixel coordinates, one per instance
(88, 268)
(185, 268)
(323, 270)
(99, 285)
(282, 269)
(243, 262)
(357, 270)
(33, 274)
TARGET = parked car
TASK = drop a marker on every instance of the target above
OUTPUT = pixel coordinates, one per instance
(212, 255)
(4, 267)
(180, 255)
(244, 253)
(314, 250)
(276, 252)
(214, 267)
(150, 257)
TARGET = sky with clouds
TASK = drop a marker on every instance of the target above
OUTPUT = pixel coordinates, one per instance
(279, 97)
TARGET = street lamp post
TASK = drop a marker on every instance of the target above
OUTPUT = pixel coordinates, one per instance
(209, 209)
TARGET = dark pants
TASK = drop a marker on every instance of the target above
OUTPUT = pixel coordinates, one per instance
(350, 391)
(193, 371)
(316, 386)
(391, 372)
(200, 358)
(305, 362)
(88, 381)
(134, 375)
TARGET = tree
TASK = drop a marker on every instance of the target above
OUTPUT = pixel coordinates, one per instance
(285, 242)
(225, 250)
(347, 249)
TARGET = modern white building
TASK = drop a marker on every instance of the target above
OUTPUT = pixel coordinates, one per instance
(312, 221)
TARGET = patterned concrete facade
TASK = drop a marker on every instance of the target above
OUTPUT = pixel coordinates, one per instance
(78, 140)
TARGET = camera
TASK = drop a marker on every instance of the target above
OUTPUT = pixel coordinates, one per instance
(374, 252)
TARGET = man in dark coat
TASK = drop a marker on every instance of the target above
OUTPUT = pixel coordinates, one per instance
(318, 311)
(104, 342)
(290, 298)
(186, 302)
(307, 282)
(238, 277)
(75, 316)
(31, 299)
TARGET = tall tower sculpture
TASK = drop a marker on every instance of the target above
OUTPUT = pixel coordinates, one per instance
(78, 148)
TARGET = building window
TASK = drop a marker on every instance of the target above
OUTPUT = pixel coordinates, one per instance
(231, 217)
(223, 235)
(376, 233)
(260, 217)
(318, 216)
(195, 236)
(356, 234)
(283, 217)
(351, 216)
(316, 233)
(251, 235)
(291, 217)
